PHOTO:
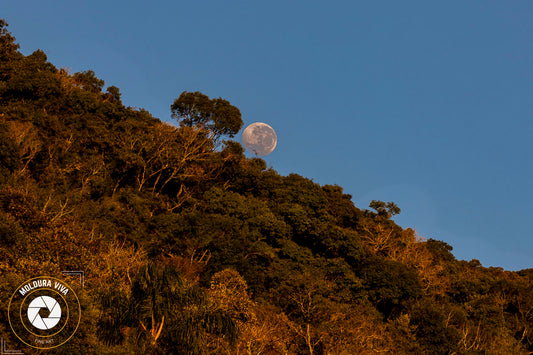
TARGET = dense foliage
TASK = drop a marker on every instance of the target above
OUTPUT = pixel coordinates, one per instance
(189, 247)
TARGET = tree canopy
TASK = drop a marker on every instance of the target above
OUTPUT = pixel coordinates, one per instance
(217, 115)
(189, 247)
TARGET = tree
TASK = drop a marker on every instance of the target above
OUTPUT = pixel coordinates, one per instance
(386, 210)
(164, 313)
(8, 48)
(442, 251)
(391, 286)
(217, 115)
(432, 330)
(88, 80)
(113, 94)
(306, 298)
(9, 155)
(26, 138)
(380, 234)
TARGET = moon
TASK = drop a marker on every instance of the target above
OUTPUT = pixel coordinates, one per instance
(259, 138)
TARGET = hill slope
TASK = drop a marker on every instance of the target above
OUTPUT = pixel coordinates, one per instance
(190, 247)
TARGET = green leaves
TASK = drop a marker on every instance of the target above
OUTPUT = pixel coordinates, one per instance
(88, 81)
(391, 285)
(190, 249)
(9, 152)
(217, 115)
(386, 210)
(432, 330)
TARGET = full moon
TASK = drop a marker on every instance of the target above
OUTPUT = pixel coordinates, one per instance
(259, 138)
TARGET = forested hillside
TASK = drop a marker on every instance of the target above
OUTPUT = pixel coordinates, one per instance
(189, 247)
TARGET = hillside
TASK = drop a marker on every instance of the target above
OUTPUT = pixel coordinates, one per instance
(189, 247)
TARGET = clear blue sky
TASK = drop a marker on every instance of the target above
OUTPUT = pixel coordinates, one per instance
(427, 104)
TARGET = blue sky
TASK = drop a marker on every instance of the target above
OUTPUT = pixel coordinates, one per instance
(427, 104)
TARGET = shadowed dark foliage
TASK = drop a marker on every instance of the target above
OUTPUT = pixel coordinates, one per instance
(189, 247)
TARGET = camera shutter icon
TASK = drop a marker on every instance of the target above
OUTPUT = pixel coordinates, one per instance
(44, 302)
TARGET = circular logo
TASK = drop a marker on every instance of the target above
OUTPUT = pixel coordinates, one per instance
(44, 312)
(44, 302)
